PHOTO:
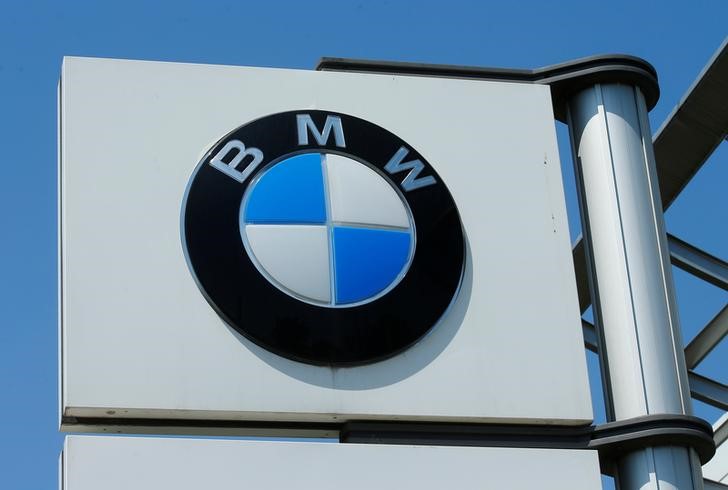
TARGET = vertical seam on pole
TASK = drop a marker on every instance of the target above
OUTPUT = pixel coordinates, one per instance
(652, 467)
(603, 112)
(696, 470)
(603, 352)
(663, 263)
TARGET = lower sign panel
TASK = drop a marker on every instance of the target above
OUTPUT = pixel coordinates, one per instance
(111, 463)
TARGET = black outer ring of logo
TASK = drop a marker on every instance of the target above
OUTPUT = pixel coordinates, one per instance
(291, 328)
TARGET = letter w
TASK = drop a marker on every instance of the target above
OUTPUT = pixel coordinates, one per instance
(415, 167)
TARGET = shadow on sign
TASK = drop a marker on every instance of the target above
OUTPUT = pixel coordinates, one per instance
(388, 371)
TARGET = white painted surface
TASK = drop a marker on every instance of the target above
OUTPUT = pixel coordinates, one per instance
(357, 194)
(295, 256)
(122, 463)
(139, 339)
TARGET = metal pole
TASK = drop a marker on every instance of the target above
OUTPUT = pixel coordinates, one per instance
(643, 365)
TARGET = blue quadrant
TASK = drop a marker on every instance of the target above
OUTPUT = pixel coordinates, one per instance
(367, 260)
(292, 191)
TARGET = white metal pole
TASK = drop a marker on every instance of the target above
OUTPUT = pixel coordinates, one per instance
(643, 365)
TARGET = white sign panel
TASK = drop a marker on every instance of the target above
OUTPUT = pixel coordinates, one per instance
(280, 245)
(111, 463)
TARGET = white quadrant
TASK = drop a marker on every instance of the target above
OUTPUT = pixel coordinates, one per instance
(294, 256)
(357, 194)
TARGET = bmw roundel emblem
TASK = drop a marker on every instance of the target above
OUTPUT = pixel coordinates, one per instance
(322, 237)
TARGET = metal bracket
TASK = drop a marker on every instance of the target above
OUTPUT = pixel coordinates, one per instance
(615, 439)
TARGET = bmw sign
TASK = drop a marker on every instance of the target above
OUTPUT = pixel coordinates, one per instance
(322, 237)
(268, 245)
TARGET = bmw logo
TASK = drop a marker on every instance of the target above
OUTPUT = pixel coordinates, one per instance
(322, 237)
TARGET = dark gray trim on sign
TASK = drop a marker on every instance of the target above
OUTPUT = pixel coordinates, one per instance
(611, 440)
(455, 434)
(564, 79)
(204, 427)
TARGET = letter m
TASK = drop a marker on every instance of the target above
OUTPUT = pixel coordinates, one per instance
(333, 123)
(415, 167)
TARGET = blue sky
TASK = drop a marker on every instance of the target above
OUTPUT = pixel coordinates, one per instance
(676, 37)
